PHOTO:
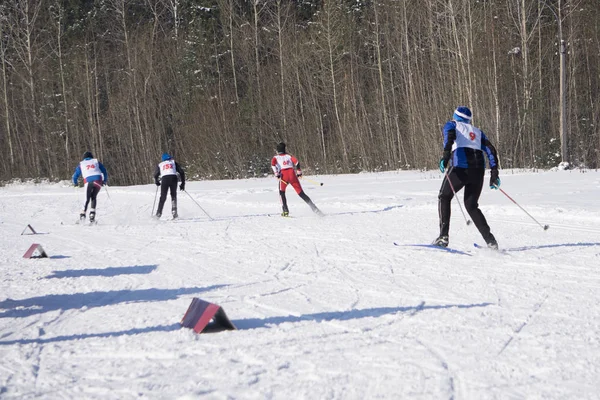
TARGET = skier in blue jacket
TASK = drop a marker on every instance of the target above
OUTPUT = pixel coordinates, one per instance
(94, 177)
(465, 145)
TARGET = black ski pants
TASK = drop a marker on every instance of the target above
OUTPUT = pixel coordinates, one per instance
(471, 179)
(92, 190)
(167, 183)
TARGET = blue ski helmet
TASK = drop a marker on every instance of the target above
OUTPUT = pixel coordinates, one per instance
(88, 154)
(166, 157)
(462, 114)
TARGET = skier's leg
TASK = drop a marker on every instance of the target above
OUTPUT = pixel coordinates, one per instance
(472, 194)
(94, 193)
(164, 188)
(308, 201)
(451, 181)
(283, 199)
(95, 190)
(88, 195)
(173, 188)
(284, 205)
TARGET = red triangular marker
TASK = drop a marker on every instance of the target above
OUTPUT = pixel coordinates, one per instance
(204, 316)
(32, 249)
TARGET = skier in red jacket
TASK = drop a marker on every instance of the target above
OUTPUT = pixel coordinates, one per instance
(287, 169)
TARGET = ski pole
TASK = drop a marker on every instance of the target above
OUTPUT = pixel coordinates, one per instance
(106, 188)
(155, 196)
(468, 221)
(313, 182)
(545, 227)
(211, 218)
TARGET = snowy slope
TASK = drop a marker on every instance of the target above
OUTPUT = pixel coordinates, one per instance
(327, 308)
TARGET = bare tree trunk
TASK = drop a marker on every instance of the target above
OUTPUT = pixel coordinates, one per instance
(280, 28)
(67, 159)
(5, 97)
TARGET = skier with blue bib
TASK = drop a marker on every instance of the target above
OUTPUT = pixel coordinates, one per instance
(94, 177)
(165, 176)
(463, 165)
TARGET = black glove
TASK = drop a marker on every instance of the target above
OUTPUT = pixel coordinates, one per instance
(494, 179)
(444, 161)
(157, 183)
(299, 173)
(278, 176)
(104, 183)
(182, 186)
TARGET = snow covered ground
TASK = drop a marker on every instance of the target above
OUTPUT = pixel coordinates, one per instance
(326, 308)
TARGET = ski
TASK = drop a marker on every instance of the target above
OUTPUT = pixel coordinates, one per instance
(434, 247)
(480, 247)
(86, 223)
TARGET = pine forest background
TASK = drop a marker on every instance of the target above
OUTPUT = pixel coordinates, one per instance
(349, 85)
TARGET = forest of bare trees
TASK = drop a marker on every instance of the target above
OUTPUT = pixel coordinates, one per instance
(349, 85)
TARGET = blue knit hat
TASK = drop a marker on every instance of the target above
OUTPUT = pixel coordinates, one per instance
(166, 157)
(462, 114)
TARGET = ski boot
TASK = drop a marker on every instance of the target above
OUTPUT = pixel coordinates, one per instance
(82, 216)
(441, 241)
(285, 214)
(174, 208)
(158, 215)
(92, 216)
(491, 242)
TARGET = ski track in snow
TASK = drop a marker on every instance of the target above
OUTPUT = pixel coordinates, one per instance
(325, 307)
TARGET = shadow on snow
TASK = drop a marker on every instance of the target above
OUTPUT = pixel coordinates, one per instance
(108, 272)
(37, 305)
(253, 323)
(129, 332)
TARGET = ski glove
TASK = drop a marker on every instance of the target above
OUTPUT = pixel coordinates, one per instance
(182, 186)
(278, 176)
(299, 173)
(494, 179)
(444, 161)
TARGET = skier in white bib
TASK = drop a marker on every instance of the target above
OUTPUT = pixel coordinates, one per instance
(165, 176)
(286, 169)
(94, 177)
(463, 165)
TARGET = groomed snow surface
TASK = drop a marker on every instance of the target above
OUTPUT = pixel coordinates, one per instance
(326, 308)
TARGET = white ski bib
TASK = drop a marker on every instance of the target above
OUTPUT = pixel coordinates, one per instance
(467, 136)
(89, 168)
(167, 168)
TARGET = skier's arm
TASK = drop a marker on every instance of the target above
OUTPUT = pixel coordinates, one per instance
(76, 175)
(103, 170)
(275, 167)
(156, 175)
(490, 150)
(297, 166)
(180, 172)
(449, 133)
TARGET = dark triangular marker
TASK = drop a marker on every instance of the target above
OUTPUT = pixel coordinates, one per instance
(33, 232)
(202, 316)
